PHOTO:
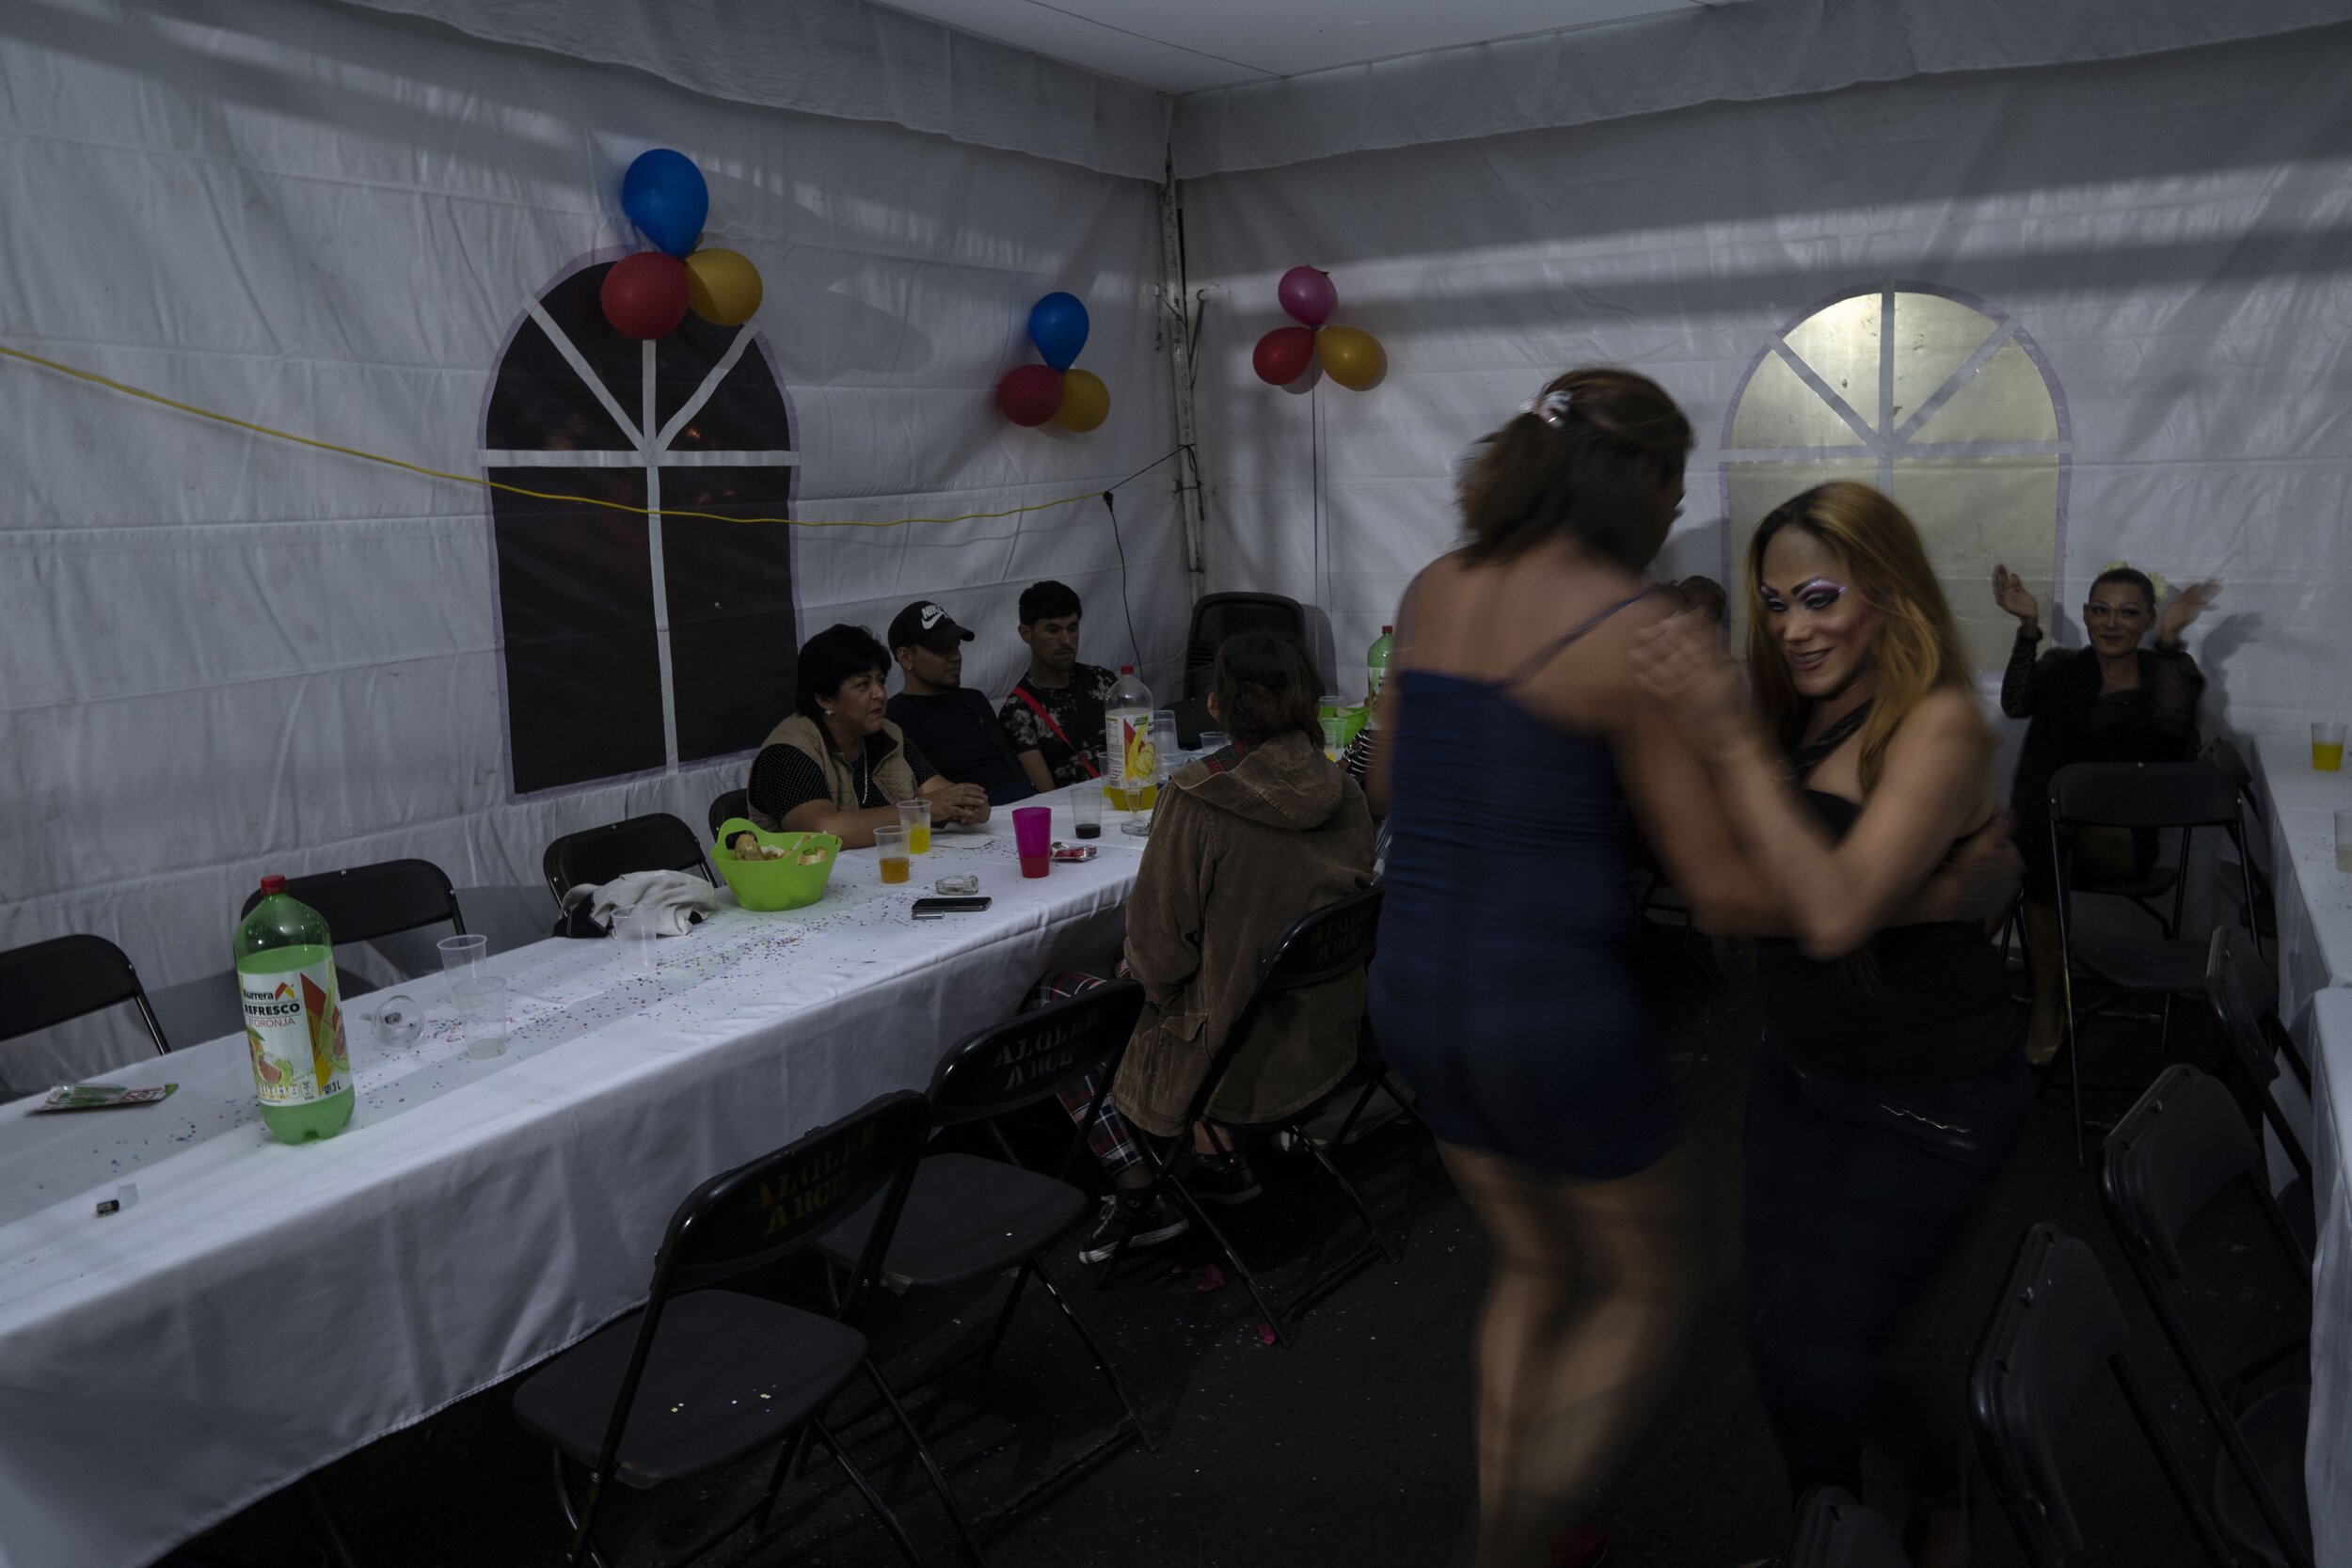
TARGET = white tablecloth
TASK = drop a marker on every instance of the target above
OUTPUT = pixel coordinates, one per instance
(257, 1311)
(2328, 1439)
(2299, 806)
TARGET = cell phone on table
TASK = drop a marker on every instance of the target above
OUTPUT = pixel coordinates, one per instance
(934, 909)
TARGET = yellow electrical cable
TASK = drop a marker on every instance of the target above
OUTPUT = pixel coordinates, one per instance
(494, 484)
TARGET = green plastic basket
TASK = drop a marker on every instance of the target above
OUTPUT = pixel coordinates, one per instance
(767, 885)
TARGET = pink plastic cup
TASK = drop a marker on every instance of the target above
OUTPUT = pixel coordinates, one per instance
(1033, 837)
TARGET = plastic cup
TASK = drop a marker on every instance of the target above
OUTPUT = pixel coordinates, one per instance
(1086, 812)
(1215, 740)
(633, 939)
(2343, 841)
(398, 1021)
(892, 845)
(2327, 746)
(482, 1016)
(460, 954)
(1033, 838)
(1334, 735)
(916, 817)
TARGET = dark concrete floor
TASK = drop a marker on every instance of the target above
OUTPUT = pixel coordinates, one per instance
(1354, 1446)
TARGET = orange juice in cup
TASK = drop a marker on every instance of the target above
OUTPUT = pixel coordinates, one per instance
(916, 817)
(891, 843)
(2327, 746)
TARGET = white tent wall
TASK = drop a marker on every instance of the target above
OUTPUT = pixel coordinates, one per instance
(2174, 232)
(227, 655)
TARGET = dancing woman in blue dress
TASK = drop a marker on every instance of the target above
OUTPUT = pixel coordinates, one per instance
(1517, 741)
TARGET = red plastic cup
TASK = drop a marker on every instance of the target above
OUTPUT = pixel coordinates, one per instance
(1033, 837)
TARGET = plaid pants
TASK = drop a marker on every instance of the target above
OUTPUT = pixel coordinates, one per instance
(1112, 1140)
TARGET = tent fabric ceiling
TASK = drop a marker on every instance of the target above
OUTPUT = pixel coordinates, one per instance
(844, 59)
(852, 60)
(1729, 54)
(1217, 43)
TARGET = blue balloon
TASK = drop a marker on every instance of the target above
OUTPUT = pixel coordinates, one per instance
(663, 194)
(1058, 326)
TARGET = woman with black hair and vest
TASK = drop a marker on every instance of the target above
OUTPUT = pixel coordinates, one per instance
(2114, 701)
(838, 765)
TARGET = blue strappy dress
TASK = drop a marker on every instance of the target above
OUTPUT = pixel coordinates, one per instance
(1501, 991)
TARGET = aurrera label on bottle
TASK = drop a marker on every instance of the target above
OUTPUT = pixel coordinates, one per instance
(293, 1027)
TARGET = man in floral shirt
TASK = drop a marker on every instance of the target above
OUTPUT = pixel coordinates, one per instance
(1055, 712)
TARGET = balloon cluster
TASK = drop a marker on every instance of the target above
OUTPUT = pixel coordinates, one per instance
(1350, 356)
(1072, 399)
(647, 294)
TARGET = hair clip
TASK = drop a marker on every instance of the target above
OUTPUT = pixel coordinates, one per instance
(1551, 407)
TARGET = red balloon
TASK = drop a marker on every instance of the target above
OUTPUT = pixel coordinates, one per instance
(1284, 355)
(644, 295)
(1030, 395)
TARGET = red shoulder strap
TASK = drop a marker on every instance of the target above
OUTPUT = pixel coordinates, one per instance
(1039, 708)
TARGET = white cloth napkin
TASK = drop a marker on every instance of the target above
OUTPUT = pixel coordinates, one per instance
(673, 900)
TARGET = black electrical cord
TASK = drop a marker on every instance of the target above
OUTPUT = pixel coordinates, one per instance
(1134, 644)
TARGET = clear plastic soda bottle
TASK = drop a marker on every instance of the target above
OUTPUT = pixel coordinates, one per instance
(1131, 776)
(293, 1019)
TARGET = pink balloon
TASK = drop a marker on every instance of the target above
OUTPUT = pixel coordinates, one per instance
(1307, 296)
(1284, 355)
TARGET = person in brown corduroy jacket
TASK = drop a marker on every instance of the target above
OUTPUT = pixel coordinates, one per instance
(1243, 843)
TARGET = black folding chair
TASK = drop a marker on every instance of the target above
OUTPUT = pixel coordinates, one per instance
(2164, 797)
(370, 901)
(699, 1377)
(727, 807)
(967, 1219)
(2056, 1322)
(1218, 616)
(51, 982)
(2262, 918)
(1319, 948)
(655, 842)
(1835, 1532)
(2243, 995)
(2166, 1160)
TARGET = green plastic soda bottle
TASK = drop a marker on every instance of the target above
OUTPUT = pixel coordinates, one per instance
(293, 1021)
(1376, 673)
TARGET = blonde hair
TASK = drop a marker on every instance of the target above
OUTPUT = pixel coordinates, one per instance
(1916, 649)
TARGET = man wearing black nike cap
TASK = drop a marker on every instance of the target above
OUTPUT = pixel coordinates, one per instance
(950, 723)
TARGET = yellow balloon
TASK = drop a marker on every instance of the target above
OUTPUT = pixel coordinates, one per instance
(1351, 357)
(1085, 401)
(722, 287)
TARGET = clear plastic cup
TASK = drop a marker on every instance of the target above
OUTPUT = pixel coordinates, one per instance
(1033, 839)
(1215, 740)
(916, 817)
(482, 1016)
(633, 939)
(398, 1021)
(1086, 812)
(1334, 735)
(2343, 841)
(460, 954)
(891, 844)
(2327, 746)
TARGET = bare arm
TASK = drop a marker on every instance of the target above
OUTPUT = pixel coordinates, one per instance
(1934, 784)
(1033, 762)
(854, 829)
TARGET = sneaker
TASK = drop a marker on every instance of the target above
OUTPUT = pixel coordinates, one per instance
(1221, 1178)
(1141, 1224)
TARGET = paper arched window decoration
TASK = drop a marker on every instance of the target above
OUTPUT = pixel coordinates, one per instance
(1944, 403)
(634, 644)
